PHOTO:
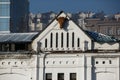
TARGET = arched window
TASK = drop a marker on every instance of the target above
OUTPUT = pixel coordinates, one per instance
(56, 39)
(61, 39)
(73, 39)
(78, 42)
(51, 40)
(45, 43)
(67, 39)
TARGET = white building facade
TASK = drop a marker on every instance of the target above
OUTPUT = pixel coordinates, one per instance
(63, 51)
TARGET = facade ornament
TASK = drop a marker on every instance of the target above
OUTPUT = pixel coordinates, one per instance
(61, 21)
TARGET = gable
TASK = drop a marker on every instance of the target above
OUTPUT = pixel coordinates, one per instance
(62, 34)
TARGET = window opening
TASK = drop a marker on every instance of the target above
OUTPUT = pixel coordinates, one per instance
(21, 46)
(51, 40)
(8, 63)
(48, 76)
(73, 39)
(103, 62)
(110, 62)
(45, 43)
(15, 62)
(60, 76)
(61, 39)
(78, 42)
(67, 39)
(72, 76)
(96, 62)
(56, 40)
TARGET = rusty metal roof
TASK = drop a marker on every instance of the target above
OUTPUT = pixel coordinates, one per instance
(16, 37)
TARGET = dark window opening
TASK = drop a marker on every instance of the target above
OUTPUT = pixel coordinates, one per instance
(21, 46)
(60, 76)
(0, 47)
(5, 47)
(61, 39)
(48, 76)
(67, 39)
(73, 39)
(15, 62)
(3, 63)
(103, 62)
(51, 38)
(72, 76)
(15, 47)
(56, 40)
(8, 63)
(21, 62)
(78, 42)
(53, 62)
(45, 43)
(96, 62)
(110, 62)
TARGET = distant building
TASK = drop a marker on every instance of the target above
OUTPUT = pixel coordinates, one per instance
(35, 23)
(38, 22)
(117, 16)
(109, 27)
(19, 11)
(14, 15)
(97, 22)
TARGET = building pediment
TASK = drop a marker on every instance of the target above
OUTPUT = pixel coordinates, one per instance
(62, 34)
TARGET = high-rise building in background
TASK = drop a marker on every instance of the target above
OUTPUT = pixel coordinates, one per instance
(4, 15)
(14, 15)
(19, 10)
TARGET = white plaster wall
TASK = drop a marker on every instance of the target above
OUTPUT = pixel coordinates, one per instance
(18, 69)
(65, 63)
(106, 46)
(105, 68)
(88, 74)
(84, 66)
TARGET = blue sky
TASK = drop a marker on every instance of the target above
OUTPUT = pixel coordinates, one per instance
(108, 6)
